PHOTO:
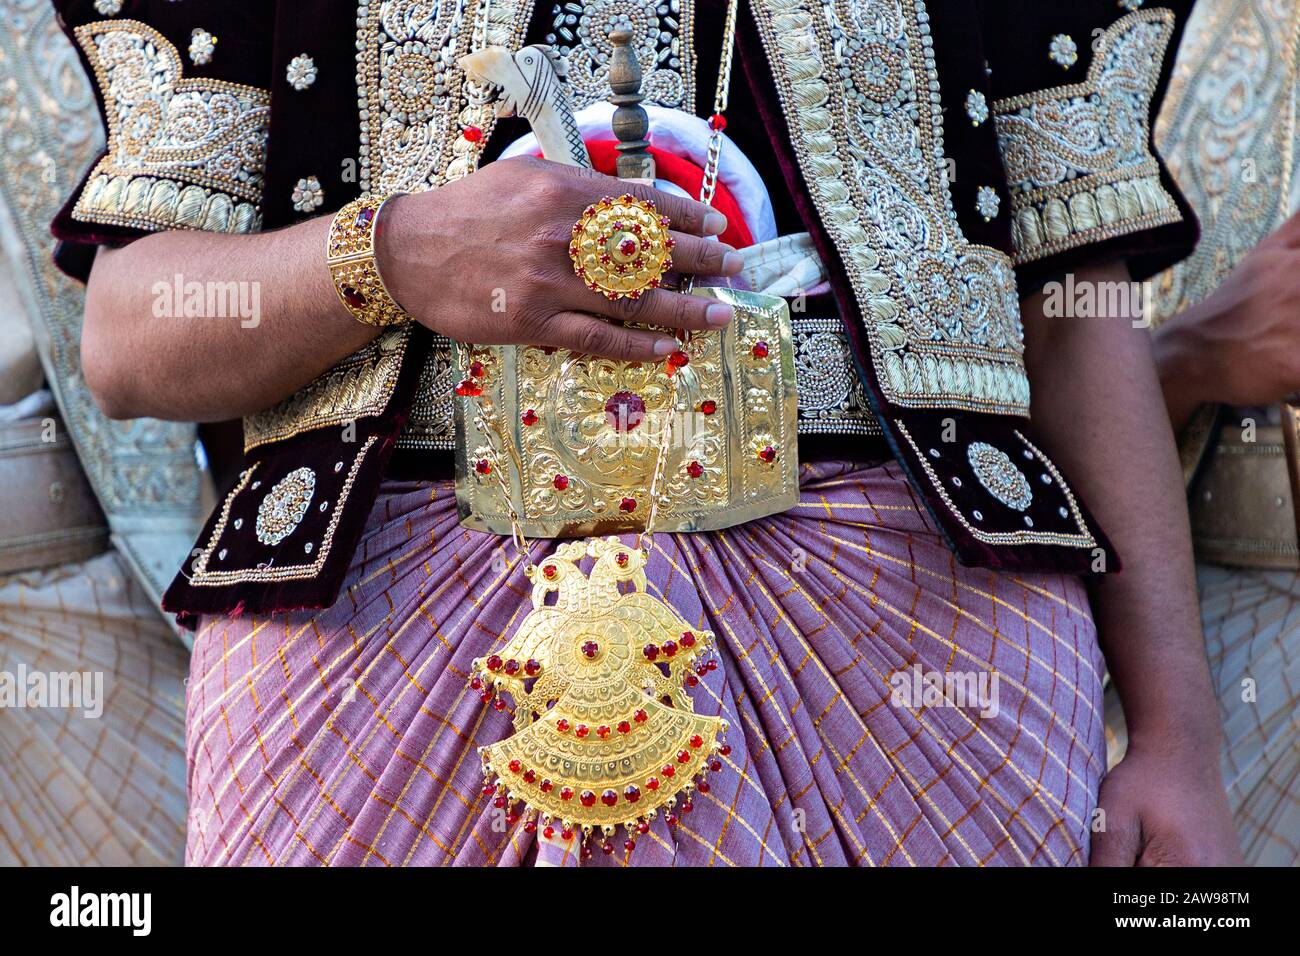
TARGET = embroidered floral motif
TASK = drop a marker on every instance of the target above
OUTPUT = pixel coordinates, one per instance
(285, 505)
(414, 99)
(1254, 51)
(108, 8)
(988, 202)
(1000, 477)
(858, 86)
(977, 107)
(1064, 51)
(1078, 157)
(308, 194)
(182, 153)
(301, 72)
(831, 396)
(202, 45)
(661, 32)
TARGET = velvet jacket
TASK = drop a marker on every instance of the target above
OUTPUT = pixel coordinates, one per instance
(948, 158)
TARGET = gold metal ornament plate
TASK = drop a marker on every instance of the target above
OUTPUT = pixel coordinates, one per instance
(605, 733)
(584, 433)
(621, 247)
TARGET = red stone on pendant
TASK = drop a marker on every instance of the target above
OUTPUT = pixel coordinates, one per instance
(549, 833)
(629, 845)
(512, 667)
(760, 350)
(671, 819)
(696, 741)
(469, 389)
(530, 417)
(354, 298)
(632, 794)
(494, 663)
(515, 766)
(582, 731)
(473, 134)
(607, 848)
(499, 803)
(566, 834)
(640, 716)
(708, 406)
(624, 727)
(530, 826)
(499, 704)
(628, 246)
(668, 770)
(485, 696)
(695, 469)
(688, 639)
(483, 466)
(669, 648)
(715, 765)
(532, 668)
(590, 649)
(724, 750)
(530, 775)
(624, 411)
(683, 756)
(566, 793)
(364, 217)
(679, 359)
(687, 806)
(476, 684)
(588, 798)
(703, 786)
(621, 559)
(717, 122)
(476, 368)
(602, 731)
(643, 827)
(609, 798)
(549, 571)
(546, 786)
(561, 482)
(767, 454)
(692, 680)
(650, 651)
(627, 505)
(652, 783)
(562, 725)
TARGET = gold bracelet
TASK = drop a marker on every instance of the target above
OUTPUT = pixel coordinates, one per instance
(350, 255)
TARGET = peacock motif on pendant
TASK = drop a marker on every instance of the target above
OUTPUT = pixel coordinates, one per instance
(605, 733)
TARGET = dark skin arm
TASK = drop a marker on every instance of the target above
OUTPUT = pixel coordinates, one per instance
(1095, 388)
(484, 259)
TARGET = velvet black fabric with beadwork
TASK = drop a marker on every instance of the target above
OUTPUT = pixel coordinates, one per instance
(996, 46)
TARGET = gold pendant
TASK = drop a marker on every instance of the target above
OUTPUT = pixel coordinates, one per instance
(605, 734)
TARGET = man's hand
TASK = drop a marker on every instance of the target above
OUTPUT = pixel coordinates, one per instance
(1241, 346)
(1165, 810)
(485, 259)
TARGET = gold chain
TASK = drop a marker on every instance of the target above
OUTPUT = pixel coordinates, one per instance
(489, 423)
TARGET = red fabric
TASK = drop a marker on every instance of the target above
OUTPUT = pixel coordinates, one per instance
(684, 173)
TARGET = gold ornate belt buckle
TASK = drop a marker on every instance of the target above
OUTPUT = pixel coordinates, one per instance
(584, 432)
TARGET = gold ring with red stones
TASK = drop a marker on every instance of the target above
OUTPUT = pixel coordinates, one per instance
(621, 247)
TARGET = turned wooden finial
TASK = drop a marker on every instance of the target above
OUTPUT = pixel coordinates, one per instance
(630, 123)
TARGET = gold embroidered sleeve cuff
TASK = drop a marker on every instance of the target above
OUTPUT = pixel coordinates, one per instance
(350, 255)
(1078, 158)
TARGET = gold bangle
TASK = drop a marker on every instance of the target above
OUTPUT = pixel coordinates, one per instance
(350, 255)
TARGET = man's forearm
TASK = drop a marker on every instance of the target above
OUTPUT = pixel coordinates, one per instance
(1098, 407)
(282, 326)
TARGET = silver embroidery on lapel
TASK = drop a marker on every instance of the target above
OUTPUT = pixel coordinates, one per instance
(860, 92)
